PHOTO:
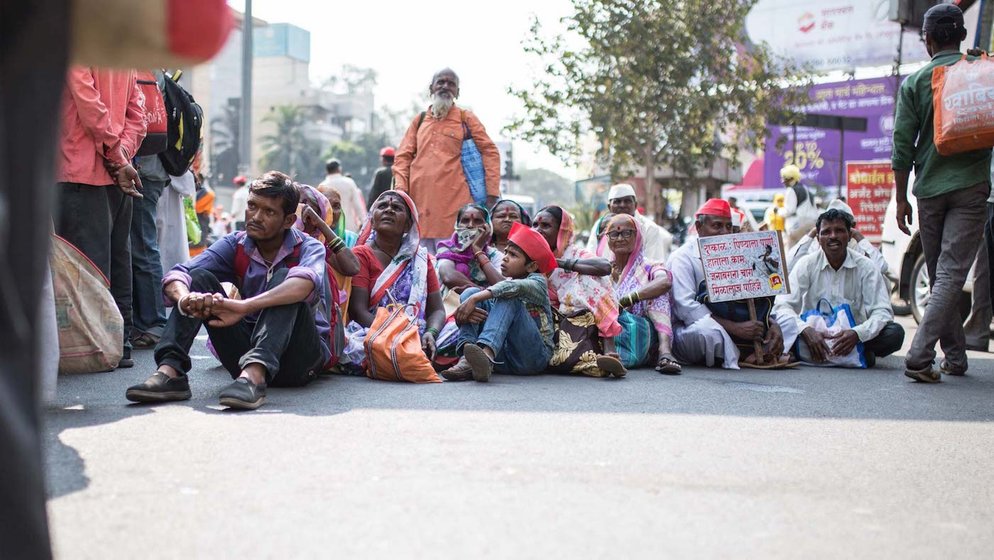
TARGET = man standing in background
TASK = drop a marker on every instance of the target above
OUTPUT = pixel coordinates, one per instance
(103, 124)
(383, 179)
(355, 209)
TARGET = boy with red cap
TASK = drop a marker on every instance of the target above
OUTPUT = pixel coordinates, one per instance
(701, 337)
(508, 327)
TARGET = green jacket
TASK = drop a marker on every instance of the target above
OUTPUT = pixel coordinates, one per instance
(914, 147)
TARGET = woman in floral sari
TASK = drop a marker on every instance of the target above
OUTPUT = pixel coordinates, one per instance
(581, 283)
(465, 260)
(643, 291)
(393, 268)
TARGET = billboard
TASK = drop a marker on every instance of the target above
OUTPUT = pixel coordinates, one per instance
(817, 150)
(832, 34)
(869, 185)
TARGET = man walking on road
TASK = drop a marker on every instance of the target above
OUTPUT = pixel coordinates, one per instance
(429, 163)
(951, 192)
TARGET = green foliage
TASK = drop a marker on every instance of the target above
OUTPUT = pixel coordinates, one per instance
(546, 186)
(657, 82)
(289, 149)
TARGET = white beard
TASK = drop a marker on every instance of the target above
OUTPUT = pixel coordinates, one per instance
(440, 105)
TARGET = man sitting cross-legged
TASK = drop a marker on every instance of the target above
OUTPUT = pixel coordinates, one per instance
(707, 333)
(840, 275)
(508, 326)
(278, 334)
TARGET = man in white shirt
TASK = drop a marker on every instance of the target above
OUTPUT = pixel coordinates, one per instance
(840, 275)
(239, 202)
(699, 336)
(352, 201)
(657, 242)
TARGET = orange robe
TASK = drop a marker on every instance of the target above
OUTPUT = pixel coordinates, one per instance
(428, 167)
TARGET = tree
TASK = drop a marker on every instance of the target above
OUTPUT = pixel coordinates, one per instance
(548, 187)
(658, 83)
(289, 149)
(224, 134)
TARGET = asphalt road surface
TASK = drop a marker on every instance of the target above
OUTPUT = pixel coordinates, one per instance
(810, 463)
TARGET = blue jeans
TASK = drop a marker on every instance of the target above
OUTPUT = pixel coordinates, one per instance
(146, 266)
(511, 332)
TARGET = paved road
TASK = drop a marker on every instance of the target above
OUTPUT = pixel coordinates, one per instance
(810, 463)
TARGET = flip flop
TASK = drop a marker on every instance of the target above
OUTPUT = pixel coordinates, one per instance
(669, 366)
(611, 363)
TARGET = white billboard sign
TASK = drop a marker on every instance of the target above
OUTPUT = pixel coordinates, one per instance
(832, 34)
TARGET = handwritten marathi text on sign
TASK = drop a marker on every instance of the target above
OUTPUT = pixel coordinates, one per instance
(744, 266)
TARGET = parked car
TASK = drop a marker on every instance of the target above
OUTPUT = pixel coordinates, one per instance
(906, 262)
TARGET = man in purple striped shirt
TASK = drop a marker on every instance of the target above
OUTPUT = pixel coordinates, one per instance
(278, 333)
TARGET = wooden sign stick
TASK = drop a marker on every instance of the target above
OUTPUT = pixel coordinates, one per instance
(757, 346)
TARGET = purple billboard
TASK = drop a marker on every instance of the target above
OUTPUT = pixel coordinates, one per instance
(817, 150)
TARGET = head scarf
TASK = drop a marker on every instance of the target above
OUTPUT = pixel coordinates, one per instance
(452, 248)
(566, 232)
(408, 269)
(525, 218)
(637, 273)
(308, 195)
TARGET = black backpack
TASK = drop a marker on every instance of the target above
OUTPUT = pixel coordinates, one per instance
(185, 130)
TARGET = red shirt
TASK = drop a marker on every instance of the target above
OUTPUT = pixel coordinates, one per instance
(370, 269)
(102, 120)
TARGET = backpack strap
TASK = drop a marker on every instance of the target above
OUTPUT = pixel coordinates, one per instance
(466, 134)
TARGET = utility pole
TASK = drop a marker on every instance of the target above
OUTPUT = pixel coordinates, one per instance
(245, 126)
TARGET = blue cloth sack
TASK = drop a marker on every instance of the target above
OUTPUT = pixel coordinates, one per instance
(828, 320)
(637, 340)
(472, 167)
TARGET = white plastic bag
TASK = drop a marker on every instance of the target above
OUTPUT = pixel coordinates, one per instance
(830, 321)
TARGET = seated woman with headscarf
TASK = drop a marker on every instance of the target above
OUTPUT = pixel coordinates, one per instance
(503, 214)
(316, 215)
(465, 260)
(581, 283)
(643, 291)
(327, 210)
(393, 268)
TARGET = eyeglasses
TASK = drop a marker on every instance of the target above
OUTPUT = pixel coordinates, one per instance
(621, 234)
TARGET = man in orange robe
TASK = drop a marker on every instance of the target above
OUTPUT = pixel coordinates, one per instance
(428, 163)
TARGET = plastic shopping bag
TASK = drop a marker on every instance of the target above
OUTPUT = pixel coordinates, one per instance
(829, 321)
(963, 102)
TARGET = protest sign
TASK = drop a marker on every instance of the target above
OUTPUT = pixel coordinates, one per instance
(868, 188)
(744, 266)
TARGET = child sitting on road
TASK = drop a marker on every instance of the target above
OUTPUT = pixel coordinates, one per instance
(508, 327)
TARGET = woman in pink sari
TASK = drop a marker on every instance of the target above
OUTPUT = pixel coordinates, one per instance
(643, 291)
(581, 282)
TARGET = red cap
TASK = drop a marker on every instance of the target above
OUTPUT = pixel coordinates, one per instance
(240, 180)
(715, 207)
(534, 245)
(388, 152)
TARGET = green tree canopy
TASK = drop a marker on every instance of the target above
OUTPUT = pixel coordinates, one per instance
(360, 156)
(658, 83)
(289, 148)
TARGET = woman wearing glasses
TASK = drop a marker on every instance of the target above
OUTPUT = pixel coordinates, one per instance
(643, 292)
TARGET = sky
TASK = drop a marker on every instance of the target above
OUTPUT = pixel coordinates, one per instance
(407, 42)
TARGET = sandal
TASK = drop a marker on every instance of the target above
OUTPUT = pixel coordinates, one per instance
(144, 340)
(611, 363)
(461, 371)
(668, 366)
